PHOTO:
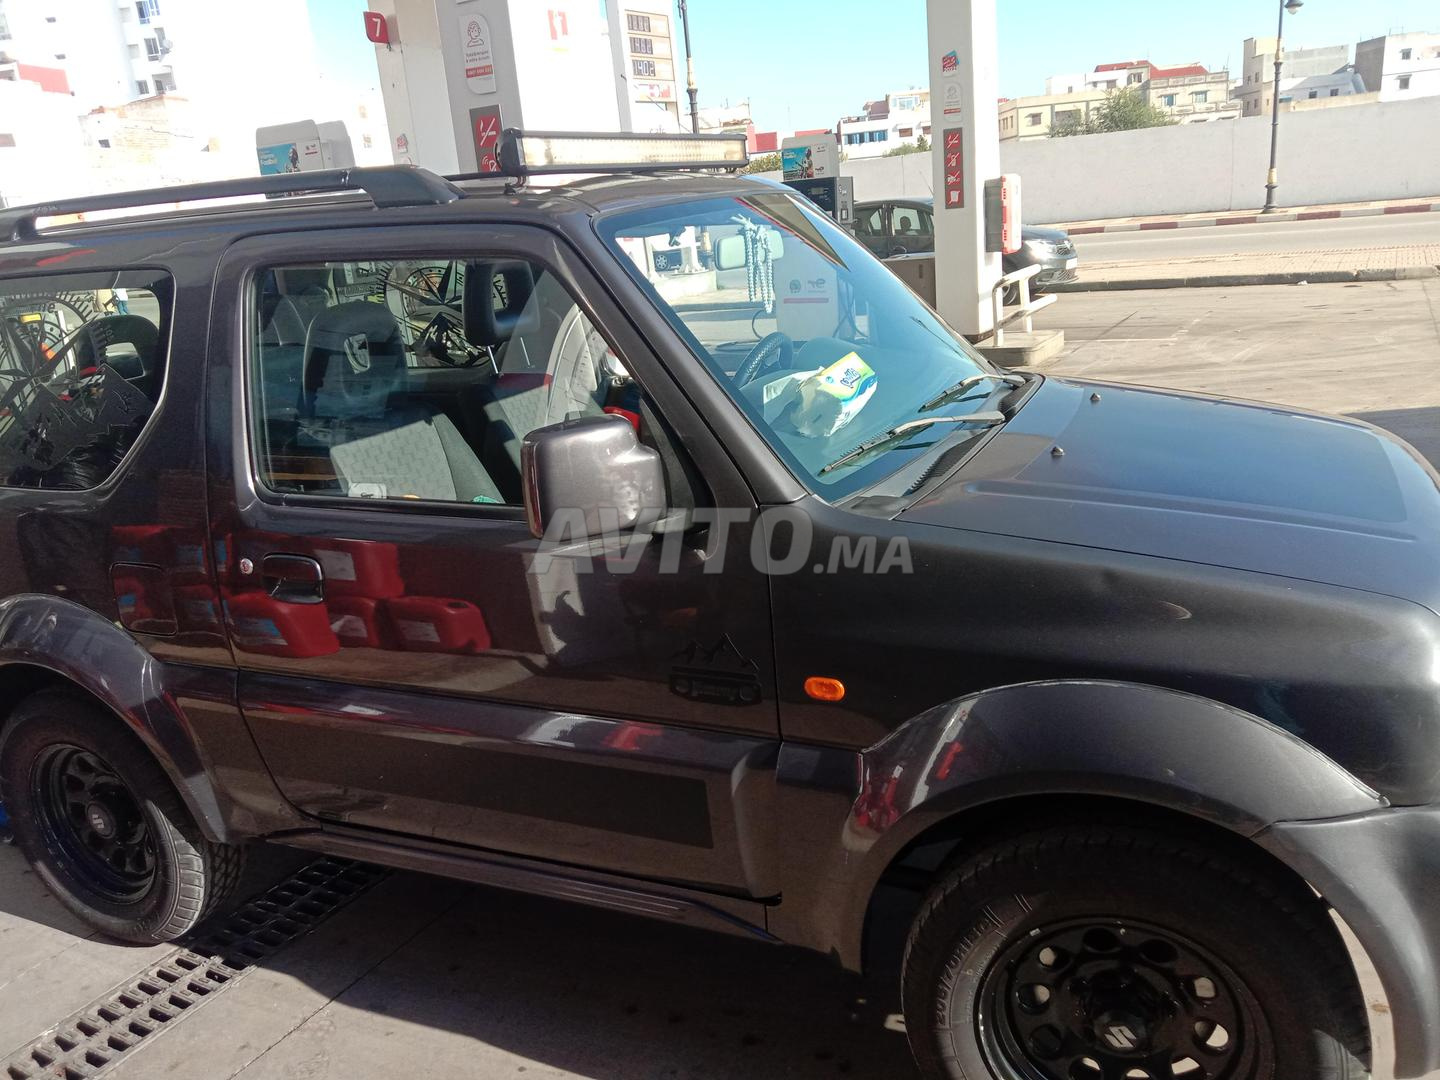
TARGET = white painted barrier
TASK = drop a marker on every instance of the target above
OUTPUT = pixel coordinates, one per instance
(1384, 150)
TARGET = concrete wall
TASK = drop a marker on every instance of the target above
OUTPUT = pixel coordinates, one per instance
(1326, 155)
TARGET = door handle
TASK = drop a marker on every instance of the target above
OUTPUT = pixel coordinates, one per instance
(295, 579)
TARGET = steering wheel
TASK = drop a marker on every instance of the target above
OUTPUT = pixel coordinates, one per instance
(772, 351)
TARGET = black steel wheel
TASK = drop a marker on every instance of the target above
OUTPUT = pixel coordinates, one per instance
(1108, 952)
(90, 814)
(1100, 999)
(103, 826)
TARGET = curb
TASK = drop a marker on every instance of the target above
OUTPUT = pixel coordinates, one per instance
(1250, 218)
(1282, 277)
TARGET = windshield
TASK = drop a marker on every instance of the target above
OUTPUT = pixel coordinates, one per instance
(818, 343)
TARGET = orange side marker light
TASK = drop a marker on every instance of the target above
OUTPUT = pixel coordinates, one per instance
(824, 689)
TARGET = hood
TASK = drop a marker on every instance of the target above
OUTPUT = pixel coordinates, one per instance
(1037, 232)
(1226, 483)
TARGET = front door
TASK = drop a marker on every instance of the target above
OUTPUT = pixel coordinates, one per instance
(407, 662)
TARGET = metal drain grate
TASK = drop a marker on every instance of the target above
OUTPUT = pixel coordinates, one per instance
(103, 1032)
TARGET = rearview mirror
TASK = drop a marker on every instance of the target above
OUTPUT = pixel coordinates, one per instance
(595, 471)
(730, 250)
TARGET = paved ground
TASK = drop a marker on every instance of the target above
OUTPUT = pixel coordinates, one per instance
(423, 977)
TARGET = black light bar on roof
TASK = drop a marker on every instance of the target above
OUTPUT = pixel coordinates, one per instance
(534, 153)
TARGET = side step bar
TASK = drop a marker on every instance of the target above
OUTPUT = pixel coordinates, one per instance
(667, 903)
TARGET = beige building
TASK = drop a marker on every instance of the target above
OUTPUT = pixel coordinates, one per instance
(1192, 95)
(1034, 117)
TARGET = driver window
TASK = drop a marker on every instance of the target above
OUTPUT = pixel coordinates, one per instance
(418, 379)
(905, 221)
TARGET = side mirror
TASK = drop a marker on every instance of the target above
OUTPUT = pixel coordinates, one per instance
(595, 470)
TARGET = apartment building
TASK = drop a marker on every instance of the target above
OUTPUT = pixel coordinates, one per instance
(1400, 66)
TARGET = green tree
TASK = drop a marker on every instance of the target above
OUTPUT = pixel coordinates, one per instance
(763, 163)
(919, 146)
(1124, 109)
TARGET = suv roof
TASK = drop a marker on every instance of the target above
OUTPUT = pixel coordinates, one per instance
(392, 190)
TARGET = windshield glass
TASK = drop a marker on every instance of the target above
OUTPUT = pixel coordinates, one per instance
(819, 344)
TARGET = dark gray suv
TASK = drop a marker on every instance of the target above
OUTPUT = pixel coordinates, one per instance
(639, 539)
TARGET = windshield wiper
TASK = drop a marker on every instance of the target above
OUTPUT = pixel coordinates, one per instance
(951, 393)
(903, 431)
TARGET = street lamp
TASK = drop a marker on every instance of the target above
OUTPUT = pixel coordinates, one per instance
(690, 69)
(1291, 6)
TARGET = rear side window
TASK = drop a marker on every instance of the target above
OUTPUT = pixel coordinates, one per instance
(82, 361)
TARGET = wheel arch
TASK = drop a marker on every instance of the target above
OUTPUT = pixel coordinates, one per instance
(50, 643)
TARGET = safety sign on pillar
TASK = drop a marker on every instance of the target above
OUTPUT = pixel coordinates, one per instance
(964, 124)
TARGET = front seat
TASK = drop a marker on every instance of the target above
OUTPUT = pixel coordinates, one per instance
(140, 364)
(546, 372)
(354, 367)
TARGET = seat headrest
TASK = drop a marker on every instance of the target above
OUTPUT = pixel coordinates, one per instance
(134, 330)
(354, 360)
(489, 323)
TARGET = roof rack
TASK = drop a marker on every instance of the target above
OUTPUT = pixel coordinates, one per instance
(387, 186)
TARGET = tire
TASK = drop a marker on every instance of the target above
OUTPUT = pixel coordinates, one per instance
(162, 877)
(1045, 951)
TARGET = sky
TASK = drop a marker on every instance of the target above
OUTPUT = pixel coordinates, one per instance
(806, 63)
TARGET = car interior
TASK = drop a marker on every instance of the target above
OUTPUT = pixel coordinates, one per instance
(421, 381)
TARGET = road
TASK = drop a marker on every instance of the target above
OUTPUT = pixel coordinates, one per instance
(1326, 235)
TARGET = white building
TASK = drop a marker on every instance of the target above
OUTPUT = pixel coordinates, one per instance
(1400, 66)
(116, 53)
(1257, 84)
(901, 118)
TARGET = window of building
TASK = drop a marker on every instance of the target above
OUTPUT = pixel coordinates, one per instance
(1134, 78)
(59, 56)
(152, 49)
(1404, 54)
(164, 84)
(1314, 93)
(1033, 119)
(142, 87)
(367, 141)
(1404, 82)
(339, 404)
(644, 68)
(905, 133)
(924, 129)
(104, 144)
(49, 18)
(643, 45)
(81, 365)
(1199, 97)
(1167, 99)
(640, 23)
(147, 9)
(1334, 93)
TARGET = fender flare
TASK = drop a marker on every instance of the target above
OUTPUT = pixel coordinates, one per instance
(97, 656)
(1117, 740)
